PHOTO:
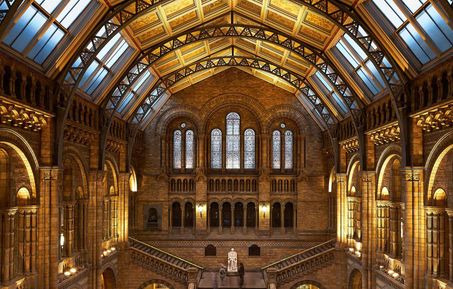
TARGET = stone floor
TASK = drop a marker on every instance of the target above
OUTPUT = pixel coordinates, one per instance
(252, 280)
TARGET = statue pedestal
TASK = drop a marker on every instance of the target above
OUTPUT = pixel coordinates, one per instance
(232, 273)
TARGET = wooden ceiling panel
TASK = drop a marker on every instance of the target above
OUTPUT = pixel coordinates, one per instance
(178, 7)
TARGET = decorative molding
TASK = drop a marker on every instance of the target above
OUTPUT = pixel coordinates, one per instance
(21, 115)
(435, 118)
(386, 134)
(74, 133)
(351, 145)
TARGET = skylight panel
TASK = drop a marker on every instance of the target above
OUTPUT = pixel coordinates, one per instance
(146, 78)
(435, 26)
(327, 87)
(71, 11)
(119, 50)
(390, 10)
(42, 26)
(347, 53)
(413, 5)
(416, 44)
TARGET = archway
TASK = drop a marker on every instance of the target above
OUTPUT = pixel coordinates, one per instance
(214, 215)
(289, 215)
(176, 215)
(108, 280)
(226, 215)
(238, 215)
(188, 215)
(251, 215)
(307, 284)
(355, 280)
(156, 284)
(276, 215)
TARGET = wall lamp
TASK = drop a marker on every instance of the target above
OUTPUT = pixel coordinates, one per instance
(200, 210)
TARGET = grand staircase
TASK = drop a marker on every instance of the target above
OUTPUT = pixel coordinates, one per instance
(162, 262)
(282, 271)
(301, 263)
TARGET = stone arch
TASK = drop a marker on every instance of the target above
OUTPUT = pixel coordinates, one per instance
(389, 176)
(332, 180)
(133, 183)
(110, 166)
(24, 151)
(108, 279)
(155, 281)
(355, 280)
(166, 117)
(286, 111)
(311, 283)
(72, 155)
(220, 101)
(352, 174)
(441, 152)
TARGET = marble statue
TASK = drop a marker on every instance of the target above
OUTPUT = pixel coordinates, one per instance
(232, 261)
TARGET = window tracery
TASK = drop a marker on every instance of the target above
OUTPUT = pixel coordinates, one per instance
(177, 144)
(216, 148)
(183, 141)
(249, 149)
(276, 157)
(233, 141)
(189, 149)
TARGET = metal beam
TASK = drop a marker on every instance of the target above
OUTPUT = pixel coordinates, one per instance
(290, 77)
(8, 9)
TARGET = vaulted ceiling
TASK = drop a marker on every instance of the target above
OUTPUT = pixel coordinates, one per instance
(129, 55)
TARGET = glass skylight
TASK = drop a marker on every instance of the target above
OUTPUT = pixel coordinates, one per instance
(42, 27)
(328, 89)
(420, 25)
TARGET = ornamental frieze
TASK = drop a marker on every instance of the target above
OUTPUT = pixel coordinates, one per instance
(23, 116)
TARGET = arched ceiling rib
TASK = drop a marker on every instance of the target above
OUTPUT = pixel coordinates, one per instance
(304, 51)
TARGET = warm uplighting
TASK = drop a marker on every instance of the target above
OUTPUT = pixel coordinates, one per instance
(200, 210)
(264, 210)
(62, 240)
(73, 270)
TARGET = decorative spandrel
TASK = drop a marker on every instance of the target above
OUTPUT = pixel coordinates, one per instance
(216, 149)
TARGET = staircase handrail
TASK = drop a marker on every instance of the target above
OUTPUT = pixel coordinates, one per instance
(166, 253)
(330, 245)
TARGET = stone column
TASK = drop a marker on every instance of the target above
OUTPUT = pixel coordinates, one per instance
(69, 212)
(350, 221)
(220, 218)
(435, 241)
(342, 210)
(48, 228)
(414, 227)
(367, 205)
(233, 216)
(395, 231)
(7, 229)
(450, 243)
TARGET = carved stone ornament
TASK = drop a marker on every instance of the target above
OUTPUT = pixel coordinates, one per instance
(20, 115)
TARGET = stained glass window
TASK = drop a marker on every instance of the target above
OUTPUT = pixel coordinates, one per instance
(288, 149)
(216, 148)
(189, 149)
(249, 149)
(233, 141)
(177, 141)
(276, 154)
(42, 26)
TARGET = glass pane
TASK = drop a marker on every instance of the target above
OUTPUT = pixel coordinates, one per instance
(90, 70)
(391, 11)
(45, 45)
(436, 28)
(347, 54)
(276, 155)
(288, 149)
(20, 25)
(30, 31)
(368, 82)
(189, 149)
(216, 149)
(416, 44)
(119, 50)
(108, 46)
(249, 149)
(177, 149)
(413, 5)
(125, 102)
(356, 47)
(97, 79)
(73, 9)
(233, 141)
(49, 5)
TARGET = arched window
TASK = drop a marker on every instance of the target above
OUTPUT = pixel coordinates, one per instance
(189, 149)
(276, 153)
(216, 148)
(288, 149)
(233, 141)
(177, 144)
(249, 149)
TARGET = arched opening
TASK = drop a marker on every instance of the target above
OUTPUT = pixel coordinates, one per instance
(108, 280)
(188, 215)
(176, 215)
(210, 250)
(251, 215)
(355, 280)
(238, 215)
(155, 284)
(226, 215)
(214, 215)
(307, 285)
(4, 179)
(254, 250)
(276, 215)
(289, 215)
